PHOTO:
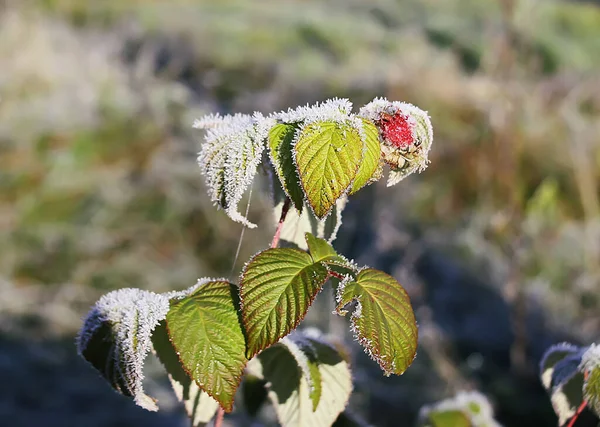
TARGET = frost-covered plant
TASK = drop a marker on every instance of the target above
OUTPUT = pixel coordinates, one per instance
(468, 409)
(571, 375)
(209, 334)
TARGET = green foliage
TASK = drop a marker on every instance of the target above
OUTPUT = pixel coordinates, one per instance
(466, 409)
(451, 418)
(281, 137)
(116, 338)
(309, 380)
(205, 330)
(199, 406)
(276, 289)
(328, 156)
(383, 320)
(590, 366)
(206, 336)
(371, 158)
(571, 375)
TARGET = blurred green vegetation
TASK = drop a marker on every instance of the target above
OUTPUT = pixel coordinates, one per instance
(98, 184)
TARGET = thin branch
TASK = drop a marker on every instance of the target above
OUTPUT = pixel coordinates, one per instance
(284, 211)
(577, 414)
(219, 417)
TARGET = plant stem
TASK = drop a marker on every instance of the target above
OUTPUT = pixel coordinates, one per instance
(274, 243)
(336, 275)
(577, 414)
(284, 211)
(219, 417)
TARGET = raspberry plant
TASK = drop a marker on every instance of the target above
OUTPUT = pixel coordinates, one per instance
(209, 335)
(571, 376)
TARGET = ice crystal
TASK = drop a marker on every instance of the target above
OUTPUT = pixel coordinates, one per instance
(187, 292)
(332, 110)
(590, 359)
(406, 133)
(229, 157)
(590, 367)
(130, 316)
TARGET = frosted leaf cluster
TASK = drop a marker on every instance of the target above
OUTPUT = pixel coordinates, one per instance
(234, 144)
(229, 157)
(128, 317)
(333, 110)
(406, 133)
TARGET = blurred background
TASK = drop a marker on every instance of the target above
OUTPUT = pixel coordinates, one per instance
(498, 242)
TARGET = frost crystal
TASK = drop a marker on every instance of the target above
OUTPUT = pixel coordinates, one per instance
(187, 292)
(123, 320)
(590, 367)
(333, 110)
(590, 359)
(406, 133)
(230, 156)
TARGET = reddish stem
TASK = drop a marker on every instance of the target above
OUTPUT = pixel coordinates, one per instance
(336, 275)
(219, 417)
(284, 211)
(577, 414)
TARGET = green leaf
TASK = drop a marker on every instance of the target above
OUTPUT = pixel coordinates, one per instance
(591, 389)
(276, 289)
(229, 158)
(590, 367)
(296, 225)
(309, 381)
(370, 163)
(280, 140)
(199, 406)
(452, 418)
(322, 251)
(463, 410)
(327, 155)
(319, 249)
(383, 321)
(205, 329)
(115, 339)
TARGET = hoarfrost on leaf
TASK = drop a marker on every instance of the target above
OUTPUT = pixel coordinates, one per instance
(229, 157)
(289, 366)
(561, 372)
(590, 367)
(332, 110)
(383, 321)
(116, 338)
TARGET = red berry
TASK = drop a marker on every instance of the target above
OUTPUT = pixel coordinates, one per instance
(396, 130)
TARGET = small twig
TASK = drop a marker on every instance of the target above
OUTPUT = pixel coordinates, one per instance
(284, 211)
(577, 414)
(219, 417)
